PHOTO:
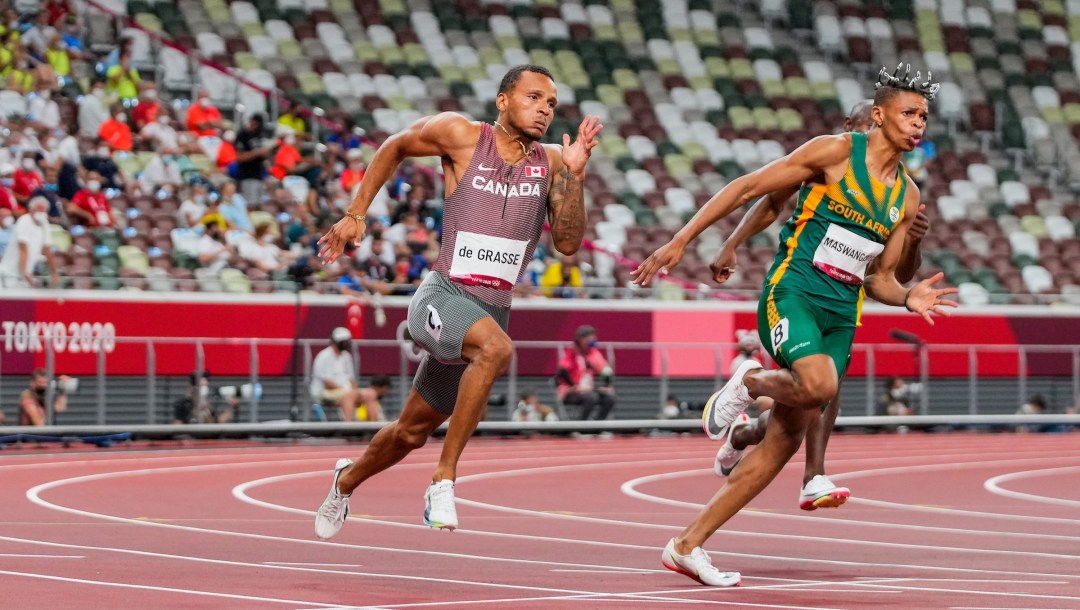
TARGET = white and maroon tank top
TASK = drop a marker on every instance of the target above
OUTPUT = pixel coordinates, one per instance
(493, 219)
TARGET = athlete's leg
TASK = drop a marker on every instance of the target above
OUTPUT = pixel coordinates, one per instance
(488, 351)
(811, 382)
(782, 439)
(392, 443)
(753, 434)
(817, 438)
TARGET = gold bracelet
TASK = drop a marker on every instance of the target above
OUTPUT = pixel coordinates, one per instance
(356, 217)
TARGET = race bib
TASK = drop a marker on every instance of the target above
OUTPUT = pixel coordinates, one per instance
(843, 255)
(483, 260)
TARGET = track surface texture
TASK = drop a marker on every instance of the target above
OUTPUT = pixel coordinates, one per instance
(955, 520)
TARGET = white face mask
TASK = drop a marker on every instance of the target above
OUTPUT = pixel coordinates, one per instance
(151, 94)
(103, 151)
(51, 142)
(204, 102)
(93, 186)
(164, 119)
(40, 217)
(204, 391)
(121, 117)
(290, 140)
(7, 221)
(46, 94)
(98, 93)
(29, 164)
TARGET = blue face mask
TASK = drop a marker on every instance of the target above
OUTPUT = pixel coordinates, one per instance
(591, 344)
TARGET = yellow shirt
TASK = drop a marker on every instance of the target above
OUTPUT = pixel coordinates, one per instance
(293, 122)
(124, 85)
(553, 277)
(60, 61)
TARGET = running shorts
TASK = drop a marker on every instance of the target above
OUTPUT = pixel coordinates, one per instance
(440, 313)
(792, 326)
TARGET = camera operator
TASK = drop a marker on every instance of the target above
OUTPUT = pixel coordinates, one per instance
(32, 405)
(899, 397)
(198, 406)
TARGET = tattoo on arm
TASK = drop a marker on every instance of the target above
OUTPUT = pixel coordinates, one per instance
(567, 207)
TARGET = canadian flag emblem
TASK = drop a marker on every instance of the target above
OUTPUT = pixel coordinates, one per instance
(535, 171)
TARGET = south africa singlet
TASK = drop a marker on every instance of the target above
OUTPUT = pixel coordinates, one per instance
(835, 233)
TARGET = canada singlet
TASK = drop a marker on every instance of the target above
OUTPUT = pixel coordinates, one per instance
(493, 220)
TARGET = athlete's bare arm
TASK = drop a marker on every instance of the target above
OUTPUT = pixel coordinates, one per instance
(447, 135)
(911, 258)
(882, 284)
(825, 156)
(763, 213)
(566, 204)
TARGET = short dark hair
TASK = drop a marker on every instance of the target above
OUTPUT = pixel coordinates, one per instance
(40, 372)
(380, 380)
(510, 80)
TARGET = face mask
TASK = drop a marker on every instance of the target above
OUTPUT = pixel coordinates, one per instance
(7, 181)
(46, 94)
(121, 117)
(167, 158)
(204, 102)
(343, 346)
(200, 199)
(290, 140)
(204, 391)
(40, 217)
(103, 151)
(151, 94)
(51, 142)
(592, 343)
(93, 186)
(40, 392)
(7, 221)
(29, 164)
(229, 136)
(164, 120)
(99, 93)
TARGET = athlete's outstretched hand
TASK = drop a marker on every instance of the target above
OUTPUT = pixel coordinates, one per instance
(924, 299)
(918, 229)
(662, 261)
(333, 243)
(723, 266)
(576, 155)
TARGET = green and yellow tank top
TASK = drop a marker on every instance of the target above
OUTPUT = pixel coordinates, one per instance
(836, 232)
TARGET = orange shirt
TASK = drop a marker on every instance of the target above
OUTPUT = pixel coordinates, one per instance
(226, 154)
(285, 160)
(116, 134)
(197, 115)
(350, 178)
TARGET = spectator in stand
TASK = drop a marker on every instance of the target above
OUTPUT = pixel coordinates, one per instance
(125, 44)
(68, 146)
(115, 131)
(50, 190)
(252, 151)
(354, 170)
(333, 375)
(347, 137)
(529, 409)
(36, 39)
(213, 252)
(416, 202)
(233, 207)
(23, 72)
(898, 397)
(749, 348)
(193, 207)
(203, 118)
(60, 11)
(42, 111)
(32, 405)
(1036, 405)
(286, 156)
(226, 155)
(160, 133)
(200, 405)
(32, 243)
(28, 176)
(93, 111)
(7, 228)
(71, 34)
(161, 170)
(89, 206)
(7, 195)
(264, 253)
(578, 371)
(354, 280)
(147, 110)
(291, 118)
(300, 228)
(59, 59)
(101, 162)
(122, 79)
(562, 279)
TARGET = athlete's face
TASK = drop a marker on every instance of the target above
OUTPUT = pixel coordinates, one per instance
(530, 105)
(903, 119)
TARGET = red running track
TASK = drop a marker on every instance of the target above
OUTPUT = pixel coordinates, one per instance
(936, 521)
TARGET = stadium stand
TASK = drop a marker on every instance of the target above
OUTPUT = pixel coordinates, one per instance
(693, 93)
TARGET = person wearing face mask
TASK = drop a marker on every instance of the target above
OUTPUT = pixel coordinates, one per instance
(579, 369)
(147, 110)
(93, 111)
(291, 118)
(7, 228)
(122, 79)
(333, 375)
(160, 132)
(43, 111)
(115, 130)
(226, 154)
(200, 404)
(32, 406)
(32, 243)
(89, 206)
(58, 58)
(202, 117)
(213, 252)
(27, 178)
(7, 195)
(287, 156)
(161, 170)
(354, 171)
(233, 208)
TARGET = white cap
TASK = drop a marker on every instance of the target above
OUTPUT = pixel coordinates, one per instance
(340, 334)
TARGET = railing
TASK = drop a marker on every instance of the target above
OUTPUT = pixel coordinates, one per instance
(662, 365)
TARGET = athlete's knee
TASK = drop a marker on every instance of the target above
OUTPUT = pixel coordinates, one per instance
(410, 437)
(819, 392)
(496, 352)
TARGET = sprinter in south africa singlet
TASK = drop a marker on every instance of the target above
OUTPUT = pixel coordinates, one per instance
(812, 295)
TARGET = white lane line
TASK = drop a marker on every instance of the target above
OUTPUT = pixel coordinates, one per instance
(993, 485)
(29, 556)
(311, 564)
(125, 585)
(1010, 594)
